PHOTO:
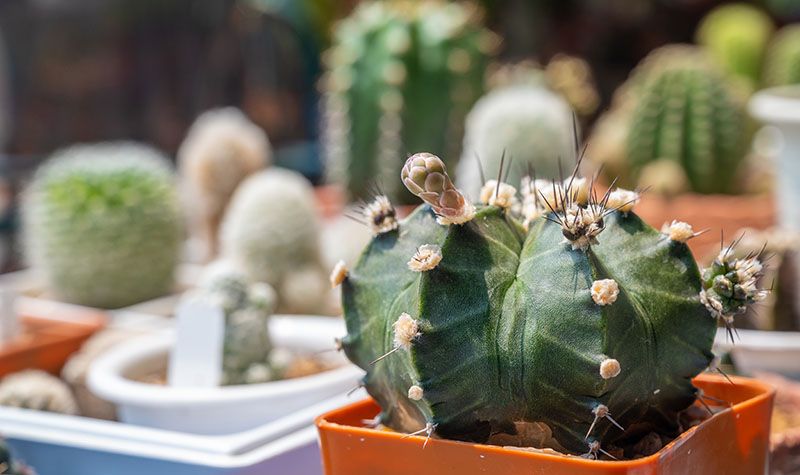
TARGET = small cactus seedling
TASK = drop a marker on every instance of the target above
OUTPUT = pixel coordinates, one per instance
(782, 63)
(401, 76)
(569, 311)
(37, 390)
(247, 346)
(102, 224)
(222, 148)
(270, 231)
(736, 36)
(687, 112)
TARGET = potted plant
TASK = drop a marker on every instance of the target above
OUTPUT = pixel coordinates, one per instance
(267, 366)
(563, 323)
(678, 129)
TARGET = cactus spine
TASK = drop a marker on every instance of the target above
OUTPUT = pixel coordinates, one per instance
(102, 224)
(588, 321)
(782, 64)
(270, 231)
(220, 150)
(37, 390)
(247, 346)
(688, 113)
(401, 76)
(736, 35)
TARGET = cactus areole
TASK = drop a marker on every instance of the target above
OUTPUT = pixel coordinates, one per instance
(583, 314)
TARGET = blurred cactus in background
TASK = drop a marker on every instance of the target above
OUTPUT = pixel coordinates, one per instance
(220, 150)
(11, 466)
(677, 105)
(401, 76)
(782, 64)
(247, 307)
(102, 224)
(271, 232)
(522, 120)
(736, 35)
(37, 390)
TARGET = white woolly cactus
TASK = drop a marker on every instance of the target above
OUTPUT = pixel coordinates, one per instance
(102, 224)
(270, 231)
(528, 123)
(34, 389)
(220, 150)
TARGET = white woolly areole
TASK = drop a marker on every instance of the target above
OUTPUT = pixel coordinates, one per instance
(415, 393)
(578, 189)
(609, 368)
(426, 258)
(600, 411)
(622, 200)
(405, 330)
(381, 215)
(605, 291)
(338, 274)
(466, 215)
(504, 197)
(678, 231)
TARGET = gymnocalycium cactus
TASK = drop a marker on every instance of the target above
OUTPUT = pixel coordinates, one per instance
(688, 113)
(402, 76)
(582, 319)
(102, 224)
(782, 63)
(248, 307)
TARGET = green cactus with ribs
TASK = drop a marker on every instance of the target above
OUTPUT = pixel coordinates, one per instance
(555, 308)
(401, 76)
(782, 63)
(688, 113)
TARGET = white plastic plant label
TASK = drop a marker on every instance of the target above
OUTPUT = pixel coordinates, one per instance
(9, 319)
(196, 358)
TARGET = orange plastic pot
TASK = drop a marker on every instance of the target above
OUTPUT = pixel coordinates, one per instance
(49, 335)
(733, 442)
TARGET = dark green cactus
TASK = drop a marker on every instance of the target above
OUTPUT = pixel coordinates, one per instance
(688, 112)
(782, 64)
(581, 313)
(402, 76)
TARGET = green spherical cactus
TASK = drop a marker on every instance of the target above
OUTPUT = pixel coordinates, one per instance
(102, 224)
(271, 232)
(736, 36)
(527, 123)
(782, 64)
(689, 113)
(401, 76)
(247, 346)
(587, 324)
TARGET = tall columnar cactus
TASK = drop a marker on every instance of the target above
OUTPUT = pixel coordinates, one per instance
(583, 321)
(782, 64)
(102, 224)
(247, 306)
(528, 123)
(401, 76)
(222, 148)
(736, 36)
(271, 232)
(687, 112)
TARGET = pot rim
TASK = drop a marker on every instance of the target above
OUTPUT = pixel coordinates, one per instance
(764, 392)
(777, 104)
(106, 377)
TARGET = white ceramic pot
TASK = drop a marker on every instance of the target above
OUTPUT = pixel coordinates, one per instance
(780, 108)
(226, 409)
(755, 350)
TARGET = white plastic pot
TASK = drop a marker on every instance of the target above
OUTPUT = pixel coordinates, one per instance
(780, 108)
(56, 444)
(226, 409)
(754, 351)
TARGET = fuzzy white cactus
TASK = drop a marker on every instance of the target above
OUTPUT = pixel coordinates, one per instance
(528, 123)
(271, 232)
(222, 148)
(35, 389)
